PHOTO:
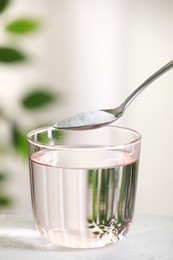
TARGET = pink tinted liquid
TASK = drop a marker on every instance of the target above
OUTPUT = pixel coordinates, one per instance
(81, 200)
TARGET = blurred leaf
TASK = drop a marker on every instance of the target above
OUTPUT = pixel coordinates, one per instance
(37, 99)
(42, 138)
(19, 141)
(3, 5)
(91, 226)
(57, 134)
(90, 221)
(5, 201)
(22, 26)
(10, 55)
(96, 233)
(3, 176)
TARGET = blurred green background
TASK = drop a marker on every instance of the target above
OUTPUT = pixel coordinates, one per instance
(33, 100)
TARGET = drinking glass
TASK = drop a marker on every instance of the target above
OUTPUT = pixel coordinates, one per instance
(83, 184)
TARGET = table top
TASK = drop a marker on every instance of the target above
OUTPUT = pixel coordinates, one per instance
(150, 238)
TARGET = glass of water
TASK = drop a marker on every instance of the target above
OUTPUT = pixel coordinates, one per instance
(83, 184)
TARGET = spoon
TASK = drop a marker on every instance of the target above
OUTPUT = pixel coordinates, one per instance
(99, 118)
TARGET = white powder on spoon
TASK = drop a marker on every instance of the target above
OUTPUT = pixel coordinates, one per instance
(86, 119)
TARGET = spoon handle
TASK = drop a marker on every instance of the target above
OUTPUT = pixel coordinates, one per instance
(145, 84)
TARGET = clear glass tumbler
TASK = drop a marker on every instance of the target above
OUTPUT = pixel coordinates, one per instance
(83, 184)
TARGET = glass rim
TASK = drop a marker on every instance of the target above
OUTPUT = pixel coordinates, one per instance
(83, 147)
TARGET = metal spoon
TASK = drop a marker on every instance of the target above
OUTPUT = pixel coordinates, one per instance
(99, 118)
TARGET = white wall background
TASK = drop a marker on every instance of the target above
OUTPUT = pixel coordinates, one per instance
(97, 52)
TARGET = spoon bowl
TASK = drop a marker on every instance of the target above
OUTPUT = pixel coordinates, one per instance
(100, 118)
(84, 121)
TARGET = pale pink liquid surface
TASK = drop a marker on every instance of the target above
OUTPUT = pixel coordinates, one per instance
(83, 200)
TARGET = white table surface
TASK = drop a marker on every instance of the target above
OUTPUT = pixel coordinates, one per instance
(150, 238)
